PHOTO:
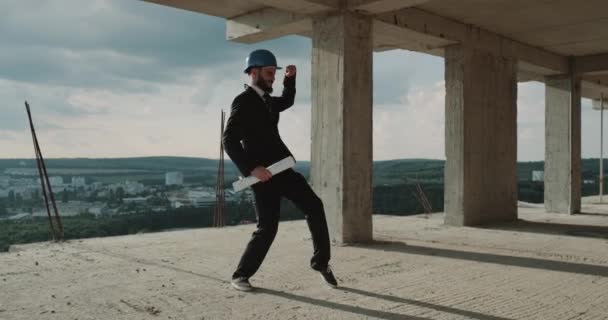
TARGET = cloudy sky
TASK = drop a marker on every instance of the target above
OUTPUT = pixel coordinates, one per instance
(121, 78)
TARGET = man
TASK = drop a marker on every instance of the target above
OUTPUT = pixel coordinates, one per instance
(252, 141)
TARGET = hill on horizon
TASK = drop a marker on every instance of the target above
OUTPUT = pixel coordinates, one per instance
(395, 171)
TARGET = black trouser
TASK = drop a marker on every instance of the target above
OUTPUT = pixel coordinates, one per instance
(291, 185)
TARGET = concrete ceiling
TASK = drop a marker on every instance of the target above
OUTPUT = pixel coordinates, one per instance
(218, 8)
(566, 27)
(563, 26)
(540, 34)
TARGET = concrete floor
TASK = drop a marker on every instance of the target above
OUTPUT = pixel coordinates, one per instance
(545, 266)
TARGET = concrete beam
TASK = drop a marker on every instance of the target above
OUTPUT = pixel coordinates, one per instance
(233, 8)
(302, 6)
(597, 63)
(270, 23)
(410, 29)
(599, 79)
(266, 24)
(593, 86)
(392, 36)
(381, 6)
(218, 8)
(341, 152)
(436, 26)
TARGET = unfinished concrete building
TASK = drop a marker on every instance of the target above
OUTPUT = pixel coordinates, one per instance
(488, 46)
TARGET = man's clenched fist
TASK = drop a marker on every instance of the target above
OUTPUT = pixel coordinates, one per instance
(290, 71)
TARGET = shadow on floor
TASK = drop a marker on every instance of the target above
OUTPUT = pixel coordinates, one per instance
(338, 306)
(596, 214)
(575, 230)
(525, 262)
(303, 299)
(465, 313)
(377, 313)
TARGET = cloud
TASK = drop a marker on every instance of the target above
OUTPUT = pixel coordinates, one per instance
(7, 135)
(397, 71)
(531, 121)
(130, 78)
(179, 118)
(531, 124)
(413, 128)
(108, 43)
(590, 131)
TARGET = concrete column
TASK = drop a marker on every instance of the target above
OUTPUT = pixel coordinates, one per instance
(480, 137)
(563, 144)
(341, 156)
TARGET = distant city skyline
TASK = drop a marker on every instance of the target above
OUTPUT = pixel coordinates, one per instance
(139, 79)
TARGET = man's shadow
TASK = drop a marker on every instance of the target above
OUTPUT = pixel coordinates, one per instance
(377, 313)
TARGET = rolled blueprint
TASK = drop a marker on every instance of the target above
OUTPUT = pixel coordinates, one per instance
(275, 168)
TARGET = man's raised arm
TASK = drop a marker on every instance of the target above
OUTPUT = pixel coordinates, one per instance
(288, 96)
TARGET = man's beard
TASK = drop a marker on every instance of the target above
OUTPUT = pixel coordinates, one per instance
(261, 83)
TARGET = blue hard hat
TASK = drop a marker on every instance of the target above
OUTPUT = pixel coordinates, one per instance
(261, 58)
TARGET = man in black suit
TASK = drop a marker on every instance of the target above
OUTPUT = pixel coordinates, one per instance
(252, 141)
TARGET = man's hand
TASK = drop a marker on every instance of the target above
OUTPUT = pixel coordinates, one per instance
(290, 71)
(261, 173)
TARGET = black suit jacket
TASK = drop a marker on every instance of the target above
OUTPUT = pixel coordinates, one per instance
(251, 137)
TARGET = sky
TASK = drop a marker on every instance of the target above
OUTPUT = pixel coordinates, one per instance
(126, 78)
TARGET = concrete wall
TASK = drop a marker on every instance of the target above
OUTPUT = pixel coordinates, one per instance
(562, 145)
(341, 155)
(480, 137)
